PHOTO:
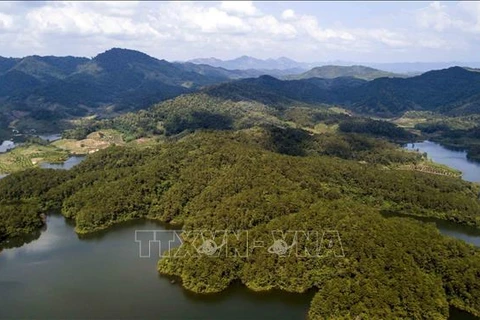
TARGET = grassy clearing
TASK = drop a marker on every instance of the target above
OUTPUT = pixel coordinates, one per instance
(95, 141)
(28, 156)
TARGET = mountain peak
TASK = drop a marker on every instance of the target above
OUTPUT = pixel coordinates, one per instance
(123, 55)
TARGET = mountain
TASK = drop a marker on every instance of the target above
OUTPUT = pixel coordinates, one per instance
(222, 73)
(452, 90)
(35, 89)
(419, 67)
(246, 62)
(356, 71)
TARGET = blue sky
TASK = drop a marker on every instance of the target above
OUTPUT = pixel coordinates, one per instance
(305, 31)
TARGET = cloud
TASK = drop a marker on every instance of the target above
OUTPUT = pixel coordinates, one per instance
(434, 16)
(6, 22)
(288, 14)
(183, 30)
(239, 7)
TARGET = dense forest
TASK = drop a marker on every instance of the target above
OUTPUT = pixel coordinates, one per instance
(271, 178)
(461, 133)
(43, 93)
(264, 155)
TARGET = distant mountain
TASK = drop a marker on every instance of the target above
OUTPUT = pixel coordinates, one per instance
(222, 73)
(410, 68)
(246, 62)
(37, 90)
(330, 72)
(419, 67)
(454, 90)
(40, 92)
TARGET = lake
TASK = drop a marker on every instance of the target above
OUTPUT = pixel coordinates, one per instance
(67, 164)
(455, 159)
(102, 276)
(6, 145)
(10, 144)
(59, 275)
(50, 137)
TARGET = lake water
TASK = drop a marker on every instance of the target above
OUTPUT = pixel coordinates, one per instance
(6, 145)
(9, 144)
(67, 164)
(102, 276)
(50, 137)
(59, 275)
(455, 159)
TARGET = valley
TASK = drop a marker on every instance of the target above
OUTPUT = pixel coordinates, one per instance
(259, 154)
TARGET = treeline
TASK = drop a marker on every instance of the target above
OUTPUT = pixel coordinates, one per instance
(231, 180)
(376, 128)
(191, 112)
(456, 133)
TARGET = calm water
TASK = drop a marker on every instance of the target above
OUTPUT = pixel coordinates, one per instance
(454, 159)
(9, 144)
(67, 164)
(6, 145)
(59, 275)
(50, 137)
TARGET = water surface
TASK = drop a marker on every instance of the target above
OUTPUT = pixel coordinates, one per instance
(50, 137)
(454, 159)
(58, 275)
(6, 145)
(67, 164)
(102, 276)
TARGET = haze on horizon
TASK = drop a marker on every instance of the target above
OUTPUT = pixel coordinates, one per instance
(304, 31)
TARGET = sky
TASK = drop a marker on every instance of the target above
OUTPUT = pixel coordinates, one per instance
(304, 31)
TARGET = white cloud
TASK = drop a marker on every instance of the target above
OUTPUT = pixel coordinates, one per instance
(288, 14)
(434, 16)
(239, 7)
(182, 30)
(270, 25)
(6, 22)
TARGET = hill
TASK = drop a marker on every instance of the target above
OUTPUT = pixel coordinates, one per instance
(36, 92)
(452, 90)
(234, 181)
(329, 72)
(247, 62)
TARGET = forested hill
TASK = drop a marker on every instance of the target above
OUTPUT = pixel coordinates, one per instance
(446, 91)
(330, 72)
(392, 268)
(41, 90)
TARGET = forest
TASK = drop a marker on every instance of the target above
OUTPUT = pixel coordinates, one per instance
(266, 178)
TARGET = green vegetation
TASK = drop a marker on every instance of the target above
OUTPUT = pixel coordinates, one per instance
(459, 133)
(376, 128)
(330, 72)
(23, 202)
(264, 179)
(30, 155)
(93, 142)
(262, 155)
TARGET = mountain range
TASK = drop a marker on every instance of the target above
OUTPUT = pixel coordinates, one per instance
(40, 92)
(246, 62)
(46, 88)
(453, 91)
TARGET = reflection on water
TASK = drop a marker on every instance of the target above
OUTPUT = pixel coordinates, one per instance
(50, 137)
(6, 145)
(67, 164)
(468, 234)
(104, 277)
(454, 159)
